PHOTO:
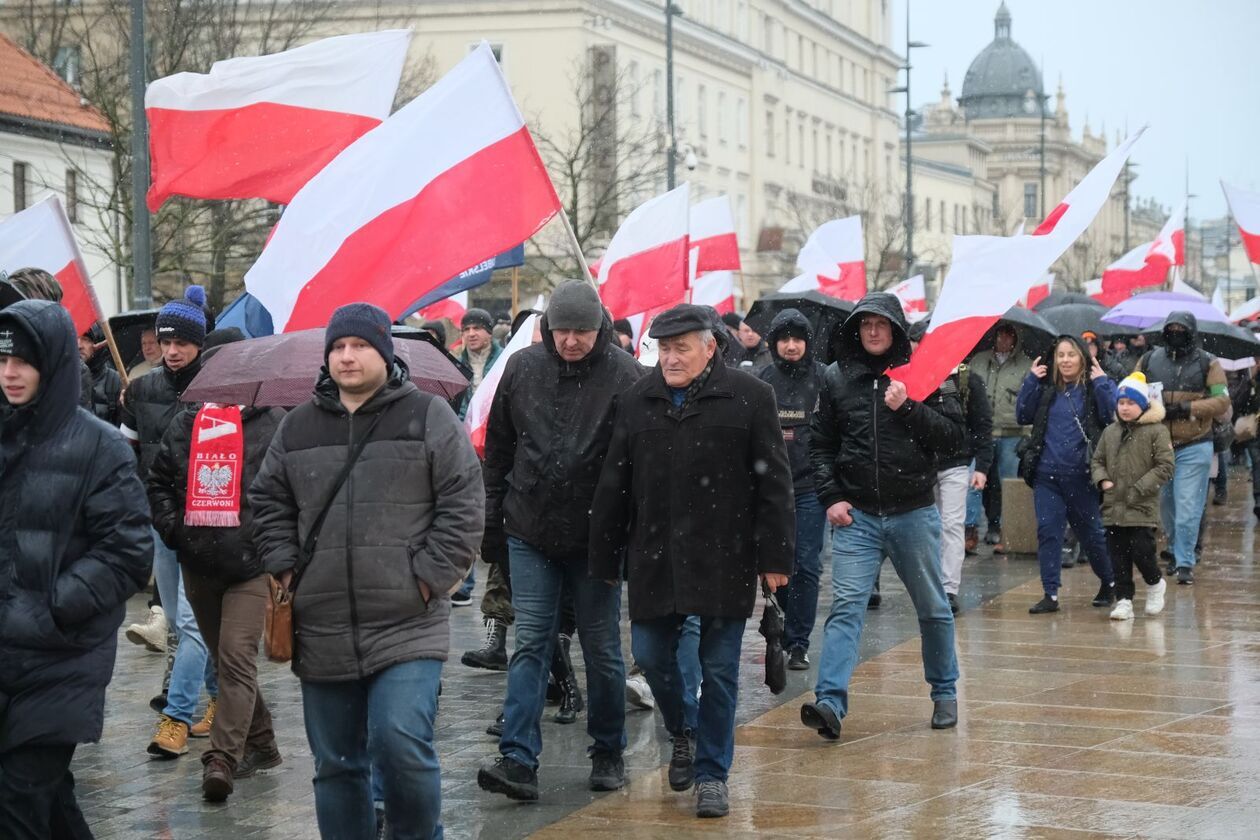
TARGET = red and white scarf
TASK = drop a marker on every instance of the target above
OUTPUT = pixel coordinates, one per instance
(214, 468)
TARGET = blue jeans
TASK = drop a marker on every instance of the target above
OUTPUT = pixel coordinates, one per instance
(537, 582)
(800, 599)
(1182, 499)
(912, 541)
(386, 718)
(689, 668)
(1060, 500)
(656, 645)
(1005, 465)
(470, 581)
(193, 664)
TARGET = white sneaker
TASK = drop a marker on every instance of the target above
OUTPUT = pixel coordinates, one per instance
(1123, 610)
(639, 693)
(1155, 597)
(151, 634)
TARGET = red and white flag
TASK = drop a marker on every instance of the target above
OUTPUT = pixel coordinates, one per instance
(832, 261)
(1246, 311)
(478, 414)
(716, 289)
(1039, 291)
(913, 298)
(1135, 270)
(978, 288)
(452, 307)
(713, 236)
(451, 179)
(1170, 246)
(1108, 298)
(646, 264)
(261, 127)
(1245, 208)
(40, 237)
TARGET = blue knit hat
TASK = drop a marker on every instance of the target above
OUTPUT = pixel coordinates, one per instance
(1134, 387)
(182, 319)
(361, 320)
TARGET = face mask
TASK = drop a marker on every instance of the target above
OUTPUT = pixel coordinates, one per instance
(1177, 339)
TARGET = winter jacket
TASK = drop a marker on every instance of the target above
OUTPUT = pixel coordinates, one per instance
(757, 357)
(548, 431)
(106, 388)
(1138, 458)
(880, 461)
(74, 546)
(696, 501)
(225, 554)
(150, 404)
(1002, 381)
(410, 511)
(796, 386)
(977, 422)
(1195, 390)
(496, 350)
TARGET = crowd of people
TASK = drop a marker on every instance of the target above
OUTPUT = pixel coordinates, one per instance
(688, 488)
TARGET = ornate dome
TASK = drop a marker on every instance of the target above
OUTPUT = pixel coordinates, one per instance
(999, 78)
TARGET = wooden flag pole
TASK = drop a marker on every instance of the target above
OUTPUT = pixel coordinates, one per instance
(577, 251)
(516, 290)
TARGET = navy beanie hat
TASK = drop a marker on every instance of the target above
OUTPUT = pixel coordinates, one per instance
(182, 319)
(365, 321)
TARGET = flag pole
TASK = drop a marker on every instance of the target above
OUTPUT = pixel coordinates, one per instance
(577, 250)
(516, 290)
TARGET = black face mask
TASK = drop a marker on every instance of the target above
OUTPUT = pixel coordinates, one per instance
(1177, 339)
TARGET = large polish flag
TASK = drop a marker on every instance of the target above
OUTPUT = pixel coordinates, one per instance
(1135, 270)
(978, 288)
(1245, 208)
(646, 264)
(451, 179)
(261, 127)
(478, 414)
(832, 261)
(40, 237)
(713, 235)
(913, 297)
(453, 307)
(716, 289)
(1039, 290)
(1170, 246)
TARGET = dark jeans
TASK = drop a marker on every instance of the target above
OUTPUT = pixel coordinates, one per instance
(1071, 500)
(800, 598)
(655, 645)
(1131, 547)
(37, 795)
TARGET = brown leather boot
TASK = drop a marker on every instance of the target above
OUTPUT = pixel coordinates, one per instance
(972, 539)
(216, 778)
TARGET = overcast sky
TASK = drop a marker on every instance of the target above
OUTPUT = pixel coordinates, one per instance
(1189, 68)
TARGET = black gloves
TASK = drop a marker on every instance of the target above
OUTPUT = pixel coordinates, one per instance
(1177, 411)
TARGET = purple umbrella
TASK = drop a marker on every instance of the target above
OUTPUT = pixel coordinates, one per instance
(1144, 310)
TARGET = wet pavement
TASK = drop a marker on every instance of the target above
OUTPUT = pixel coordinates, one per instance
(1071, 725)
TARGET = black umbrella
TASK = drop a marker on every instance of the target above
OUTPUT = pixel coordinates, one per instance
(1063, 298)
(1035, 333)
(1228, 341)
(822, 311)
(128, 327)
(421, 334)
(772, 629)
(1078, 318)
(9, 294)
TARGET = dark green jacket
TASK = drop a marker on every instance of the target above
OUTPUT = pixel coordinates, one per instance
(1138, 458)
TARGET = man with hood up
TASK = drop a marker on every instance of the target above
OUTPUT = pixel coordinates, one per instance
(796, 378)
(106, 383)
(875, 452)
(74, 546)
(1195, 392)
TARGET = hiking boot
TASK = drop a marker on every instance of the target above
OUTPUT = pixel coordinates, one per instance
(822, 720)
(510, 778)
(798, 660)
(216, 778)
(971, 539)
(258, 760)
(1045, 605)
(496, 728)
(639, 693)
(1106, 595)
(608, 771)
(492, 657)
(993, 536)
(712, 799)
(170, 740)
(1123, 610)
(201, 729)
(1185, 576)
(1155, 598)
(682, 768)
(953, 602)
(944, 714)
(151, 633)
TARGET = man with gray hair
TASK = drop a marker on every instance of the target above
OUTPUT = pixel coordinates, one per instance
(696, 496)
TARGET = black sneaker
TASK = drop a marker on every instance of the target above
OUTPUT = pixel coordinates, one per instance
(496, 728)
(1185, 576)
(874, 602)
(259, 759)
(1045, 605)
(1171, 568)
(798, 660)
(608, 771)
(461, 599)
(682, 769)
(1106, 595)
(822, 720)
(953, 602)
(510, 778)
(712, 799)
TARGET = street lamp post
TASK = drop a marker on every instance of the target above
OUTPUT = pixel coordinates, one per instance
(671, 150)
(910, 45)
(141, 247)
(1032, 100)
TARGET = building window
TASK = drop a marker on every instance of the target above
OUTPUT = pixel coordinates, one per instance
(741, 122)
(741, 216)
(767, 35)
(800, 144)
(800, 52)
(66, 64)
(72, 195)
(942, 215)
(787, 136)
(830, 161)
(19, 186)
(497, 49)
(658, 95)
(815, 149)
(769, 133)
(724, 119)
(632, 79)
(1030, 201)
(927, 214)
(702, 110)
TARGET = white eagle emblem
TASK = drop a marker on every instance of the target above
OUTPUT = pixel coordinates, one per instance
(213, 479)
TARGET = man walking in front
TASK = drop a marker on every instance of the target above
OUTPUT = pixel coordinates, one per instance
(369, 506)
(874, 452)
(696, 496)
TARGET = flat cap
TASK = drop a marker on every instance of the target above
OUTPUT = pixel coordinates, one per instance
(683, 318)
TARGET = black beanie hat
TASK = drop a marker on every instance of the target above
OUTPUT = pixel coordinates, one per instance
(16, 342)
(732, 320)
(365, 321)
(182, 319)
(476, 318)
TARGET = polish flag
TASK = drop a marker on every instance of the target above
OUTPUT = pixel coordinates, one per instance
(40, 237)
(1218, 299)
(1107, 297)
(978, 288)
(832, 261)
(1246, 311)
(1170, 245)
(646, 264)
(451, 179)
(1245, 208)
(1135, 270)
(452, 307)
(913, 298)
(478, 414)
(716, 289)
(713, 235)
(261, 127)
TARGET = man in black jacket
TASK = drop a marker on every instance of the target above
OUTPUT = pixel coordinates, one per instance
(874, 452)
(106, 383)
(74, 545)
(694, 502)
(796, 378)
(546, 438)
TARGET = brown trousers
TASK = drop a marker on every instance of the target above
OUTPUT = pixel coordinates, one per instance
(230, 616)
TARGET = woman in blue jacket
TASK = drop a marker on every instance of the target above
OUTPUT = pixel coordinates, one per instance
(1068, 410)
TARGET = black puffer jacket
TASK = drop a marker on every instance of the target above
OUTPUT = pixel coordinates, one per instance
(977, 426)
(74, 545)
(546, 438)
(106, 388)
(879, 460)
(796, 386)
(227, 554)
(149, 406)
